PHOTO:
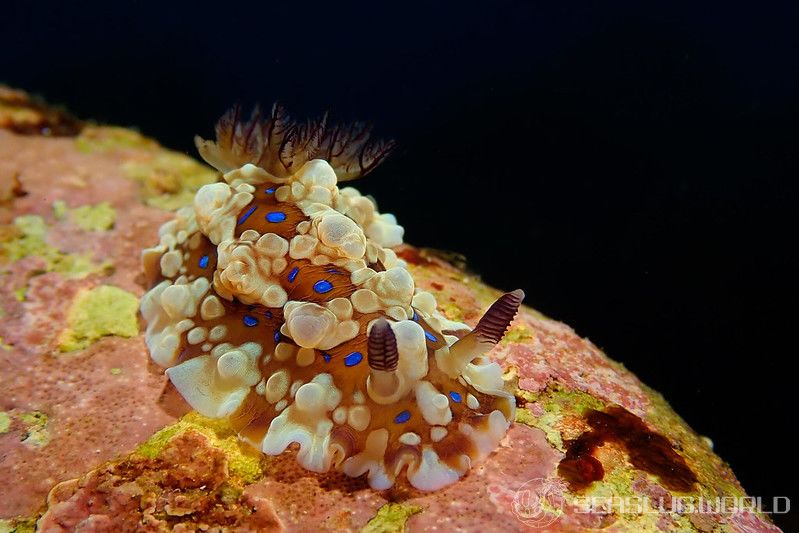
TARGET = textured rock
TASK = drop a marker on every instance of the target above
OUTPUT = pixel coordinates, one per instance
(99, 430)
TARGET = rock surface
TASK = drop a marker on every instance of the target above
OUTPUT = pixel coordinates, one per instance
(93, 438)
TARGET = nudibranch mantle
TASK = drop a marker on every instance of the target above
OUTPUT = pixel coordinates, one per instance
(276, 300)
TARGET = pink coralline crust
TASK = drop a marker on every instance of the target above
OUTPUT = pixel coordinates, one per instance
(338, 503)
(486, 495)
(43, 313)
(95, 415)
(92, 414)
(564, 357)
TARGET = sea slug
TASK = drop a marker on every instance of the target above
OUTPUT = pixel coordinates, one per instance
(277, 301)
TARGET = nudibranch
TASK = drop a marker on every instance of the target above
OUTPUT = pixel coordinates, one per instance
(277, 301)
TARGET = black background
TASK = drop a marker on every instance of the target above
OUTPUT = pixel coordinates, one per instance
(631, 166)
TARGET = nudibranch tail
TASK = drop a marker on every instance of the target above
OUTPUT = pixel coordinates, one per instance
(278, 302)
(281, 146)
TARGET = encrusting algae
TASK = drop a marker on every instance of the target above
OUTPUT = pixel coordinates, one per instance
(99, 217)
(391, 518)
(98, 312)
(278, 302)
(27, 236)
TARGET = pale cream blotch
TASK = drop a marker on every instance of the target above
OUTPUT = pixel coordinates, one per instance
(306, 422)
(175, 235)
(248, 269)
(168, 310)
(283, 312)
(312, 326)
(217, 383)
(383, 229)
(314, 183)
(217, 206)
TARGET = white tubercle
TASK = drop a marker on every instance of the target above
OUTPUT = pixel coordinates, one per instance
(471, 402)
(382, 229)
(340, 234)
(340, 415)
(433, 405)
(168, 310)
(249, 174)
(358, 417)
(277, 385)
(371, 461)
(392, 287)
(410, 439)
(431, 473)
(217, 206)
(215, 384)
(487, 439)
(247, 270)
(312, 326)
(306, 422)
(437, 433)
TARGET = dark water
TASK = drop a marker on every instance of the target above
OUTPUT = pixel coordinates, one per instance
(632, 168)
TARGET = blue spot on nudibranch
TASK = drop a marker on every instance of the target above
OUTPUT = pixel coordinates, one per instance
(333, 271)
(455, 396)
(246, 215)
(326, 356)
(270, 190)
(269, 314)
(322, 286)
(415, 316)
(430, 336)
(293, 274)
(250, 321)
(277, 335)
(276, 216)
(353, 359)
(402, 417)
(203, 261)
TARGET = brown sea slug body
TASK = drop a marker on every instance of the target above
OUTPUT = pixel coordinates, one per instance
(277, 301)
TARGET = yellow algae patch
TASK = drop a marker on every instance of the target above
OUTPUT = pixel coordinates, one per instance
(18, 525)
(169, 180)
(34, 424)
(391, 518)
(24, 238)
(99, 217)
(452, 311)
(518, 333)
(36, 433)
(27, 236)
(244, 462)
(102, 138)
(556, 404)
(98, 312)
